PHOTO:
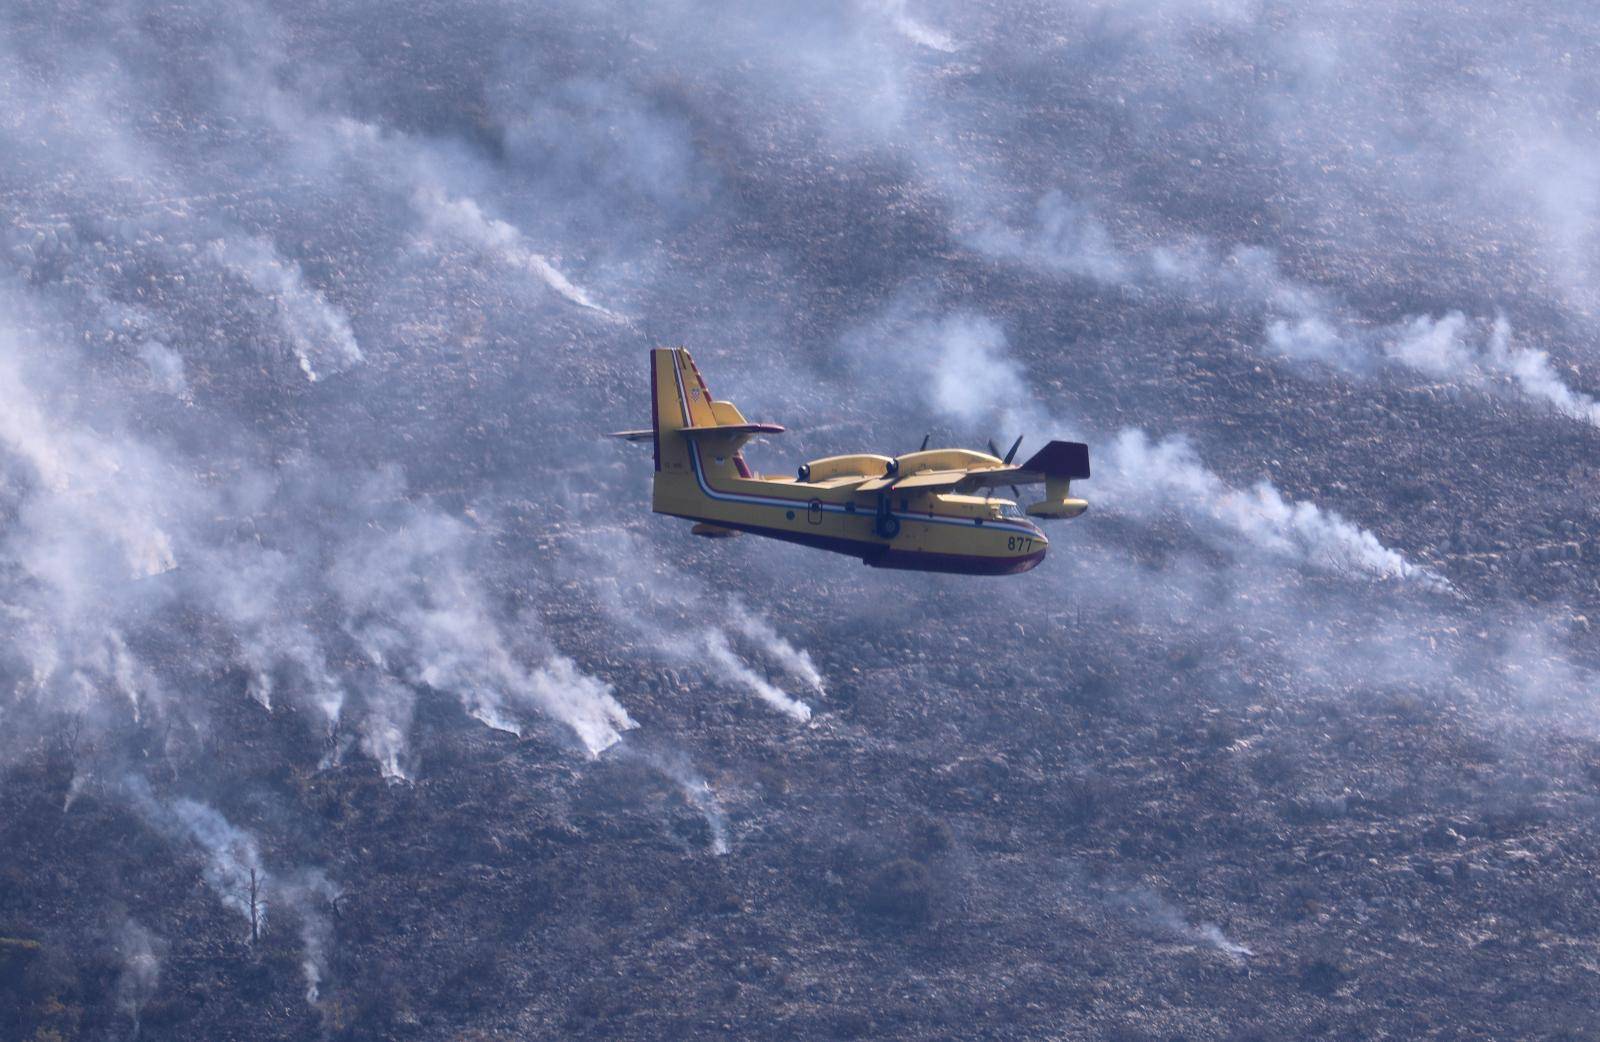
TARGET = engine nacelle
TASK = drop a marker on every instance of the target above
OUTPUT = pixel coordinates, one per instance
(864, 464)
(1057, 503)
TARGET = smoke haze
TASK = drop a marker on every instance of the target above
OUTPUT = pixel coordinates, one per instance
(312, 555)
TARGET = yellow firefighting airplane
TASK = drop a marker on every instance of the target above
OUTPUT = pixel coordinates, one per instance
(913, 511)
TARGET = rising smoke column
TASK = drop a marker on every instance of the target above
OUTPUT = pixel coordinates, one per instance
(414, 606)
(726, 662)
(140, 951)
(759, 632)
(1452, 348)
(675, 766)
(311, 894)
(918, 32)
(385, 729)
(232, 858)
(1146, 478)
(1149, 910)
(91, 492)
(319, 334)
(235, 872)
(463, 221)
(1302, 321)
(976, 380)
(678, 619)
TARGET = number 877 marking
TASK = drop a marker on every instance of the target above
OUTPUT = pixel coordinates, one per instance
(1019, 542)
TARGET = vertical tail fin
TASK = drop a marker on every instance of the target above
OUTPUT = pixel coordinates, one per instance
(681, 396)
(695, 435)
(672, 406)
(683, 417)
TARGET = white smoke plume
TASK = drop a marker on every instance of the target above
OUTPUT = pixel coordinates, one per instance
(312, 895)
(677, 618)
(727, 663)
(1312, 325)
(232, 856)
(1212, 934)
(260, 593)
(93, 518)
(140, 951)
(696, 791)
(1144, 478)
(916, 31)
(1148, 909)
(107, 664)
(319, 333)
(233, 867)
(166, 368)
(91, 492)
(976, 379)
(1065, 237)
(388, 707)
(416, 609)
(1303, 321)
(465, 222)
(758, 631)
(973, 375)
(231, 853)
(1451, 347)
(75, 788)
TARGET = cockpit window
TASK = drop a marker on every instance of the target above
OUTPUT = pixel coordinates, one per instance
(1011, 510)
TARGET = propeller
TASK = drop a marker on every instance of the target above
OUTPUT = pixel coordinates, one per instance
(994, 450)
(924, 444)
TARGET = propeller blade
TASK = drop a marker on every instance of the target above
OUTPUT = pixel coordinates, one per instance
(1013, 453)
(925, 438)
(994, 450)
(1015, 491)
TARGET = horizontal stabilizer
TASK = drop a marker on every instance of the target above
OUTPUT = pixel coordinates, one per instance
(632, 435)
(731, 428)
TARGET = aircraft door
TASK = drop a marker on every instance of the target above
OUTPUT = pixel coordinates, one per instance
(814, 512)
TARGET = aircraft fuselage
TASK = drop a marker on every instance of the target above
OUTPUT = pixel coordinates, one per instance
(701, 476)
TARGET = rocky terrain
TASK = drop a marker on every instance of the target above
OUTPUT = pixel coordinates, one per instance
(348, 689)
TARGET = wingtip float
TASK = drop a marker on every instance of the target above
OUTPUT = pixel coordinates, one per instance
(916, 511)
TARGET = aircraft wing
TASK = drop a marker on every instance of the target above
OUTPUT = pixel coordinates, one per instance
(975, 479)
(922, 479)
(933, 479)
(632, 435)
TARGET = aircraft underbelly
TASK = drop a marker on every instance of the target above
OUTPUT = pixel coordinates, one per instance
(920, 546)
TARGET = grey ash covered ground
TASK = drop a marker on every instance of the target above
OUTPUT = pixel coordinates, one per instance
(1292, 736)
